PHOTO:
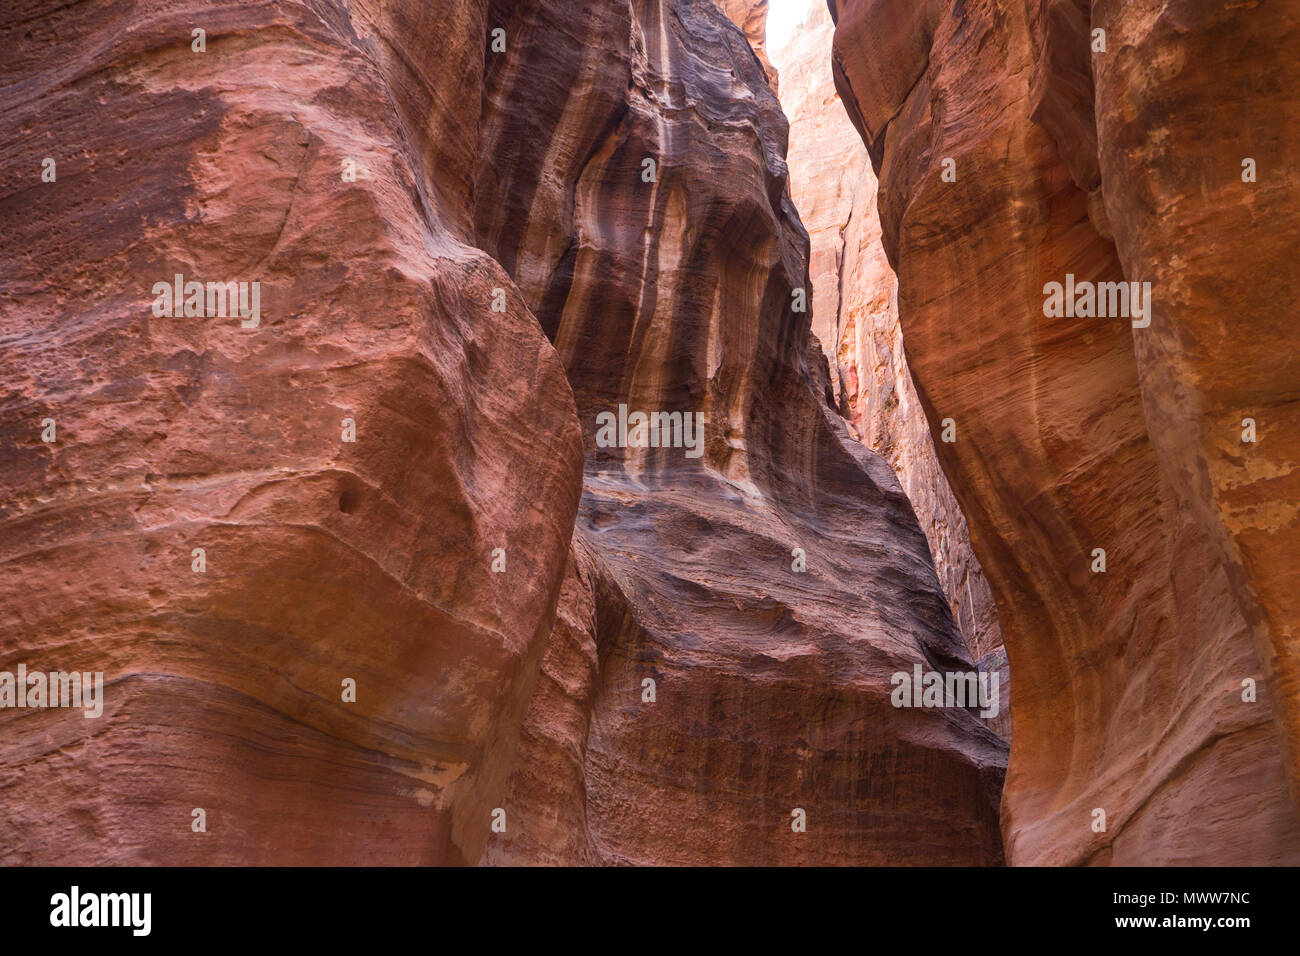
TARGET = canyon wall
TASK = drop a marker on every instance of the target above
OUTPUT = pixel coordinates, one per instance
(751, 17)
(768, 588)
(855, 317)
(1155, 684)
(364, 579)
(200, 528)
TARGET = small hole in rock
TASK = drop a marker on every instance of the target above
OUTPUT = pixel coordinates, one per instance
(348, 502)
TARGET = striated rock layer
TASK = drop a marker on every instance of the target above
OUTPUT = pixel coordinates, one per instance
(855, 316)
(376, 486)
(751, 17)
(771, 685)
(323, 560)
(1076, 434)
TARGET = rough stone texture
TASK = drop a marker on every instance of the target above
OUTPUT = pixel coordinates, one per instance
(771, 687)
(751, 17)
(1221, 254)
(325, 560)
(373, 560)
(995, 662)
(1084, 433)
(550, 779)
(855, 317)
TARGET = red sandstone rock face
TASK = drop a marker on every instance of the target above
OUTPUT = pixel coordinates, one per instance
(828, 168)
(546, 823)
(498, 202)
(751, 17)
(325, 559)
(771, 687)
(855, 317)
(1221, 252)
(1083, 433)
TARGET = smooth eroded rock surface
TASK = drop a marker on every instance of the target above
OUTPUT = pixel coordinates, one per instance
(855, 316)
(771, 686)
(427, 205)
(1078, 434)
(325, 560)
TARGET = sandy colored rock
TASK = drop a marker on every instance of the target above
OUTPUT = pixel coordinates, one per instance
(325, 560)
(498, 628)
(1073, 434)
(855, 316)
(751, 17)
(772, 686)
(546, 823)
(1192, 101)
